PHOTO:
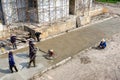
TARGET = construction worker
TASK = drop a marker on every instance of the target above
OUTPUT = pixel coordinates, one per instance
(13, 41)
(30, 44)
(102, 44)
(11, 62)
(50, 53)
(37, 35)
(32, 55)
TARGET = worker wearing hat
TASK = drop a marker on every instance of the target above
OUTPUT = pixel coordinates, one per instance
(13, 41)
(37, 35)
(32, 54)
(50, 53)
(11, 62)
(102, 44)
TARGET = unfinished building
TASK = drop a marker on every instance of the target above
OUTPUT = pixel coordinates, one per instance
(48, 16)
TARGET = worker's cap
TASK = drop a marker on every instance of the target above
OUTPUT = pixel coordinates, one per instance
(10, 52)
(51, 50)
(31, 39)
(103, 40)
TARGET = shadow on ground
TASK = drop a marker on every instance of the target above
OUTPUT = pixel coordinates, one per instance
(5, 71)
(22, 55)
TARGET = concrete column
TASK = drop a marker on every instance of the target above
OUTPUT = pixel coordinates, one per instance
(91, 2)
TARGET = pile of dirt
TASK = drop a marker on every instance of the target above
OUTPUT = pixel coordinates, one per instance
(100, 17)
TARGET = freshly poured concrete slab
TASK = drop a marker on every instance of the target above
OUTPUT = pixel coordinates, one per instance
(73, 42)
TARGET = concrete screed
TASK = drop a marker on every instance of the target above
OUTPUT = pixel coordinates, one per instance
(90, 64)
(66, 45)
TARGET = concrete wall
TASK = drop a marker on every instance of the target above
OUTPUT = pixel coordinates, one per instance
(59, 27)
(82, 6)
(83, 20)
(1, 27)
(55, 28)
(98, 11)
(21, 15)
(33, 15)
(10, 11)
(50, 11)
(3, 32)
(15, 11)
(86, 19)
(21, 10)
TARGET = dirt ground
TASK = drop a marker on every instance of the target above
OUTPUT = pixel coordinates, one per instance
(90, 64)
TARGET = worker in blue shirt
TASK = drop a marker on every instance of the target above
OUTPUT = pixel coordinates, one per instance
(102, 44)
(12, 62)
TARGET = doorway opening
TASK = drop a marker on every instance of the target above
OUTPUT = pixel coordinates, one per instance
(72, 7)
(2, 20)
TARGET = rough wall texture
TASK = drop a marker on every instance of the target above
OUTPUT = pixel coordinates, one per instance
(21, 10)
(97, 11)
(10, 11)
(1, 27)
(50, 11)
(59, 27)
(54, 28)
(15, 11)
(83, 20)
(82, 6)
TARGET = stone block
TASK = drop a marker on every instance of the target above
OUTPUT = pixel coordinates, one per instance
(96, 12)
(83, 20)
(58, 27)
(55, 28)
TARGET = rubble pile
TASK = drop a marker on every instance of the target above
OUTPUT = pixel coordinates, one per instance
(22, 37)
(100, 17)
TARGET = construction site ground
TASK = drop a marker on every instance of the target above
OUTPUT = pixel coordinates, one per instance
(69, 44)
(66, 45)
(91, 64)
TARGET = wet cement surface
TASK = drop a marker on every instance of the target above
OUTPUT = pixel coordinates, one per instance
(73, 42)
(64, 46)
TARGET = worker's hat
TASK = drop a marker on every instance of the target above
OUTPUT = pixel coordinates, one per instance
(51, 50)
(31, 39)
(103, 40)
